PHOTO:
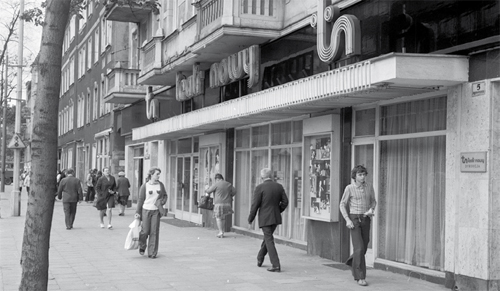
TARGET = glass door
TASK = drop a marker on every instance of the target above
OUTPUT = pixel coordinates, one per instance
(364, 155)
(186, 194)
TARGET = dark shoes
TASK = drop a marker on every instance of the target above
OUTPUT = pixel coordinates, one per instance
(141, 251)
(121, 214)
(274, 269)
(259, 263)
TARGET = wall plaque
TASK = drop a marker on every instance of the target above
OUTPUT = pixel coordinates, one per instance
(473, 162)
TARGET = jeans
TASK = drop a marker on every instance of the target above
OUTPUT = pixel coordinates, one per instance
(268, 246)
(150, 229)
(360, 236)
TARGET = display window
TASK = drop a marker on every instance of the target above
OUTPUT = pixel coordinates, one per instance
(317, 180)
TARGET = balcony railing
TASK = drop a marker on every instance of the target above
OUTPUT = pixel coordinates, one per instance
(129, 10)
(122, 86)
(262, 14)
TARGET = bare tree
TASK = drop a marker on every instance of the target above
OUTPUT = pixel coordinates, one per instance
(36, 240)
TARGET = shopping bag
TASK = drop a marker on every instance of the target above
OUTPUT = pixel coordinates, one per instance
(132, 239)
(206, 202)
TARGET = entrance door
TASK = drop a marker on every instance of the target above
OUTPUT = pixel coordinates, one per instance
(364, 155)
(185, 206)
(138, 179)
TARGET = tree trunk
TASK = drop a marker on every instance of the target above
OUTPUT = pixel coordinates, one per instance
(36, 240)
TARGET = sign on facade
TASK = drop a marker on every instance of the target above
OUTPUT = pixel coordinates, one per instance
(473, 162)
(478, 88)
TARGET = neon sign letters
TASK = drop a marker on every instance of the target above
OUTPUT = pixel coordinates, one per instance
(330, 50)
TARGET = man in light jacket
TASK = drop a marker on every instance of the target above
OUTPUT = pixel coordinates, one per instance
(70, 191)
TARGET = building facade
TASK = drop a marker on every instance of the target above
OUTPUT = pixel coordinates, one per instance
(97, 63)
(407, 88)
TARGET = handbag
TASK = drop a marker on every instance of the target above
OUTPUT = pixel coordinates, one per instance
(206, 202)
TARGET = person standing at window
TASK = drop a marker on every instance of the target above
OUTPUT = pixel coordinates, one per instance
(152, 195)
(359, 196)
(223, 201)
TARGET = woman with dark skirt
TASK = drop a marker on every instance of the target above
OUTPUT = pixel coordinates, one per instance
(105, 189)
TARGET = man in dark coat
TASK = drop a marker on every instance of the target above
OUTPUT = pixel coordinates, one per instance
(271, 200)
(70, 191)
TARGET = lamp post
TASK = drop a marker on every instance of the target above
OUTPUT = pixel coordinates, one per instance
(16, 194)
(4, 126)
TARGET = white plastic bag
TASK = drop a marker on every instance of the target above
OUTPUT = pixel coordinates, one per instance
(132, 240)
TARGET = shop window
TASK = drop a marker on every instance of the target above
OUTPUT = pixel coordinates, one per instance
(281, 133)
(365, 122)
(139, 152)
(411, 201)
(184, 146)
(289, 70)
(297, 131)
(196, 144)
(243, 138)
(260, 136)
(270, 146)
(412, 117)
(234, 90)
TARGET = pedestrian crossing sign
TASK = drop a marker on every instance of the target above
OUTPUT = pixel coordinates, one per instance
(16, 142)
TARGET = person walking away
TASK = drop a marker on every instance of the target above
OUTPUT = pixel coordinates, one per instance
(223, 201)
(90, 187)
(21, 181)
(122, 189)
(27, 181)
(269, 198)
(359, 196)
(70, 191)
(105, 187)
(151, 194)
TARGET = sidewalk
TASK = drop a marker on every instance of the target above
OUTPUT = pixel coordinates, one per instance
(190, 258)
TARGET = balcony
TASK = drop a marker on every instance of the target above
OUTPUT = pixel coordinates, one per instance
(129, 11)
(122, 86)
(221, 28)
(227, 26)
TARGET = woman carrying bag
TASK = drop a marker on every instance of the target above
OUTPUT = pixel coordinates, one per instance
(152, 197)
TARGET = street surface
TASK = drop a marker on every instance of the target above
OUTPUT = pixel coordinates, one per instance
(190, 258)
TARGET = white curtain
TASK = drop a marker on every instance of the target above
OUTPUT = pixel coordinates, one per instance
(412, 196)
(412, 185)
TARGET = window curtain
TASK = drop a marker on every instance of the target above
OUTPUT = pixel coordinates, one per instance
(412, 184)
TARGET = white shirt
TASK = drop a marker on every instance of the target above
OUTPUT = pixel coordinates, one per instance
(152, 193)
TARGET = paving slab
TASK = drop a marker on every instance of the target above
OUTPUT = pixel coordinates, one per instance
(190, 258)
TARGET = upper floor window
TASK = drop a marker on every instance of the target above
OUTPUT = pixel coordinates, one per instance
(96, 45)
(72, 24)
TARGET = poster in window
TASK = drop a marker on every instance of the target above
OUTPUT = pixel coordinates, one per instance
(317, 178)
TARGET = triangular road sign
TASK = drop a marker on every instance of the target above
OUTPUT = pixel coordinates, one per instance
(16, 142)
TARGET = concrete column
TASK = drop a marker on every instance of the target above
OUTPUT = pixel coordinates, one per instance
(472, 226)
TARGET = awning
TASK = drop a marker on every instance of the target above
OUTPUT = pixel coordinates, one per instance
(381, 78)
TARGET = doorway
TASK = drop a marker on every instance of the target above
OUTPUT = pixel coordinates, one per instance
(187, 189)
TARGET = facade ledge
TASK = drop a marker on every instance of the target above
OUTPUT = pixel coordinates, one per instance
(381, 78)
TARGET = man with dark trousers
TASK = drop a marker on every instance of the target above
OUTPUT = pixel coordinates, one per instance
(70, 191)
(358, 207)
(270, 199)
